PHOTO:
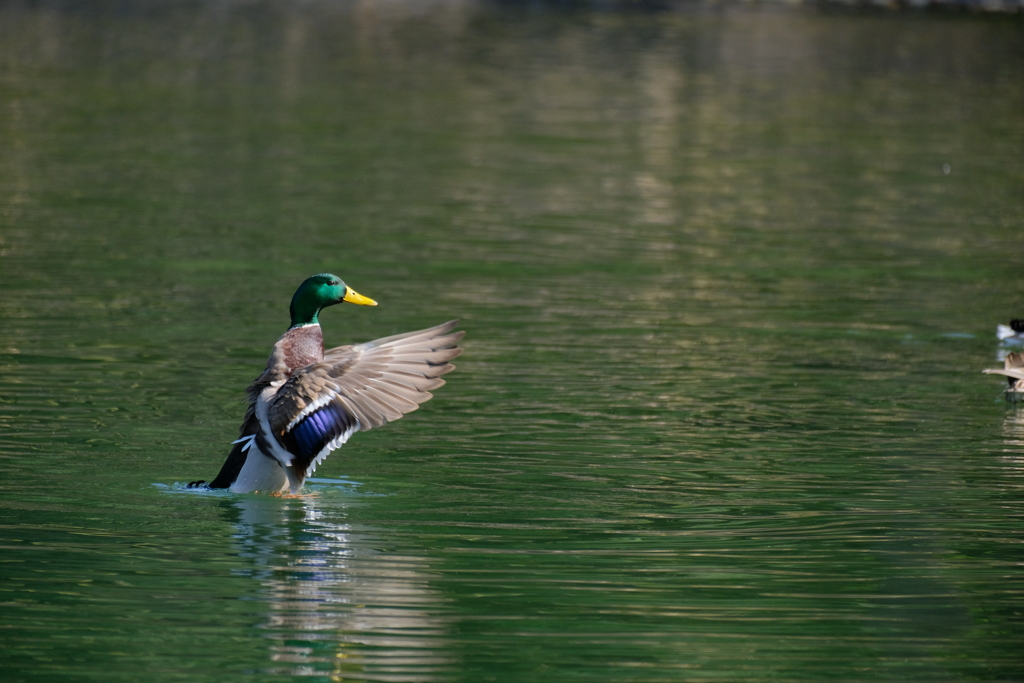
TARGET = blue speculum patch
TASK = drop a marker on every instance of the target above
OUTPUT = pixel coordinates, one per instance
(318, 429)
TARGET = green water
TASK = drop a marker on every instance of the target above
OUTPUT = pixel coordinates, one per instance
(729, 275)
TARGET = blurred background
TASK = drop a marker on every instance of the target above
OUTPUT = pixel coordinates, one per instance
(729, 274)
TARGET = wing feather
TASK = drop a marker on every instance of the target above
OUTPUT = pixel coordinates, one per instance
(412, 382)
(1015, 374)
(356, 388)
(1013, 368)
(389, 377)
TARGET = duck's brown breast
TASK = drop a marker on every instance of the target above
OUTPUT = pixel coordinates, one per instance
(299, 347)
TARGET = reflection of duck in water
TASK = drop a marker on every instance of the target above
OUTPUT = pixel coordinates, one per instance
(1013, 434)
(333, 602)
(308, 402)
(1013, 370)
(1012, 334)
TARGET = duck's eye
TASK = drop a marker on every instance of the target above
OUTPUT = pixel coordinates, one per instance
(334, 283)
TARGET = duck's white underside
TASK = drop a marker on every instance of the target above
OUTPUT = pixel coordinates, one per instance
(259, 473)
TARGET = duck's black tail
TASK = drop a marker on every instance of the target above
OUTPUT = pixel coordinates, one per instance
(233, 465)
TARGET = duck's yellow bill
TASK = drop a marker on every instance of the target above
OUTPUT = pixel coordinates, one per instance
(353, 297)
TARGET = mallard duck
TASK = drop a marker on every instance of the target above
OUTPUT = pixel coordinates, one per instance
(1012, 333)
(308, 402)
(1013, 370)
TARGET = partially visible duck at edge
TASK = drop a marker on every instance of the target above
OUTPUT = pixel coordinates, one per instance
(308, 401)
(1012, 333)
(1013, 370)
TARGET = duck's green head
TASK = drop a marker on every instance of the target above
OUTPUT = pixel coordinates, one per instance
(319, 292)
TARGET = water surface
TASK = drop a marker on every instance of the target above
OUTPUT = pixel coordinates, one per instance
(728, 275)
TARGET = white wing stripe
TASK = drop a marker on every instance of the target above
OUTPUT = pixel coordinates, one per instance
(313, 407)
(333, 445)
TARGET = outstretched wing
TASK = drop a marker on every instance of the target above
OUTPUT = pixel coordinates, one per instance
(1013, 368)
(356, 388)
